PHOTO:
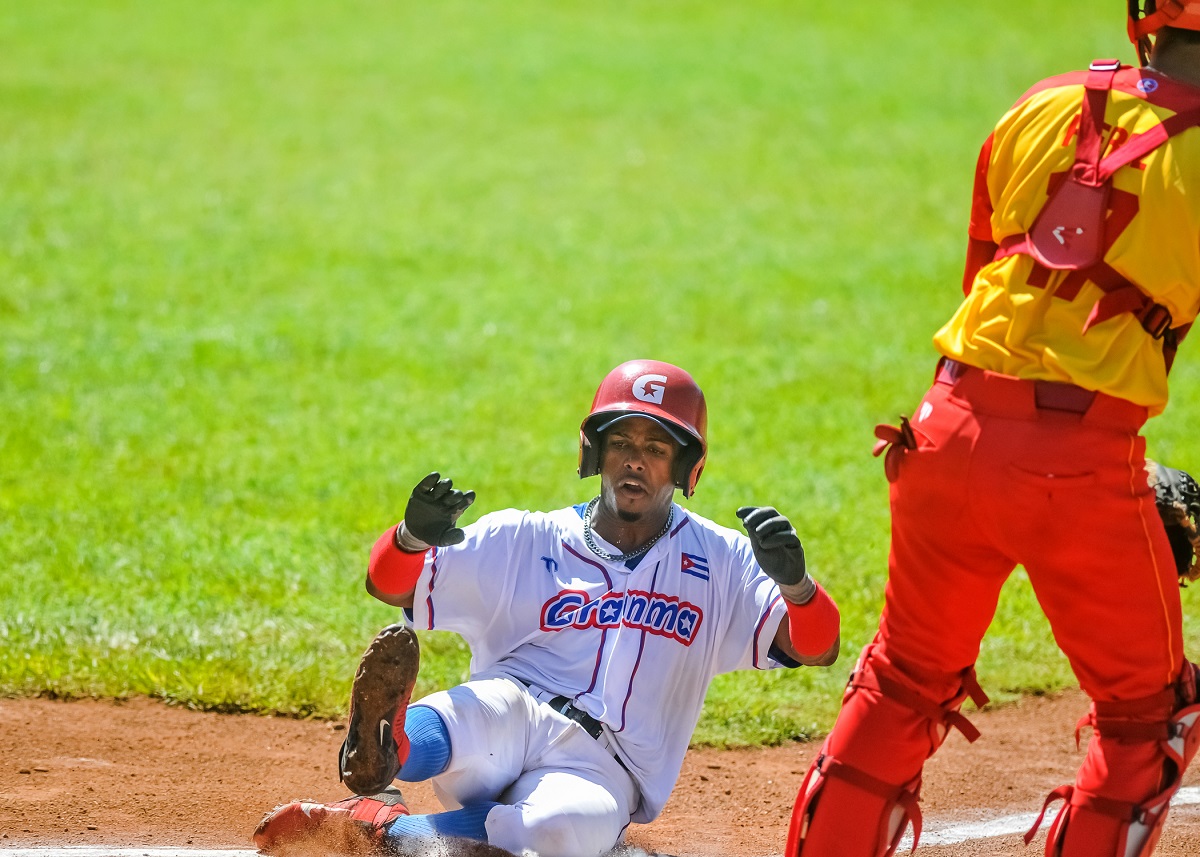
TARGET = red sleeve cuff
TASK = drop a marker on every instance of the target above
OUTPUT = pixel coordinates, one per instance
(813, 626)
(393, 571)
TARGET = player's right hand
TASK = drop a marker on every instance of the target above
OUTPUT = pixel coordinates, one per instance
(433, 509)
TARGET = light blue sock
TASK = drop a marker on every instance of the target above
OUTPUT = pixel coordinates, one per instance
(429, 744)
(466, 823)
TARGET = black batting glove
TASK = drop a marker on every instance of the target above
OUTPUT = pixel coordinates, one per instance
(432, 510)
(776, 545)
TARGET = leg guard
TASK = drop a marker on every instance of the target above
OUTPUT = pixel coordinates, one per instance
(1158, 733)
(890, 727)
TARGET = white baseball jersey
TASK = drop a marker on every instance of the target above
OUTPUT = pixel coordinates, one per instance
(636, 649)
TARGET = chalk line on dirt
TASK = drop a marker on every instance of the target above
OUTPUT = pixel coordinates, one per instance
(954, 833)
(101, 851)
(946, 833)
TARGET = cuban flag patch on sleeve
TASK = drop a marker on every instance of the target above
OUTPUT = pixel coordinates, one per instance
(695, 565)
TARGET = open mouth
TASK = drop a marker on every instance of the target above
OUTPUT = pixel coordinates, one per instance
(631, 488)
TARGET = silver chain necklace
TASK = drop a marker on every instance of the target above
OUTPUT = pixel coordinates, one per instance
(623, 557)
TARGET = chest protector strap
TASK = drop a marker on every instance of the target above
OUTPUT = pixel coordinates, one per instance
(1068, 233)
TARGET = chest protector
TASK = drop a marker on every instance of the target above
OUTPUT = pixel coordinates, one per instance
(1068, 233)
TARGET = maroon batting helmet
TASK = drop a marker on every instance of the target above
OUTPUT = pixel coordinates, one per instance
(1147, 17)
(661, 392)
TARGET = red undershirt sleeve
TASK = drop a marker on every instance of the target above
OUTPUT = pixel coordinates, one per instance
(393, 571)
(814, 625)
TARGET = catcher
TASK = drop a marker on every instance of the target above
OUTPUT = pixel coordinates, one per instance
(1082, 279)
(594, 632)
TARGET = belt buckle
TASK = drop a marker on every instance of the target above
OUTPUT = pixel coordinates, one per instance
(589, 724)
(563, 705)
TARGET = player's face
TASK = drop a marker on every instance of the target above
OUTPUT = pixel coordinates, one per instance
(636, 468)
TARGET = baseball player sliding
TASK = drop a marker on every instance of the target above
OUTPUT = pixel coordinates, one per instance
(595, 631)
(1083, 275)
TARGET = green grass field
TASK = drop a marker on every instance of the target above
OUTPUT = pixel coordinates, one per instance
(264, 265)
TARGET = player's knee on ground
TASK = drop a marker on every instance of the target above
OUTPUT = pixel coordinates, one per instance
(561, 834)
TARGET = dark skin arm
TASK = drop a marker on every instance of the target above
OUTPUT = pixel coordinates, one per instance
(404, 600)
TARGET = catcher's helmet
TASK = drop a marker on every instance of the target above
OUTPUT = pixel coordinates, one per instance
(1147, 17)
(662, 392)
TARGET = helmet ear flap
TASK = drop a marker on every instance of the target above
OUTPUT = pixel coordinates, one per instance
(689, 464)
(589, 449)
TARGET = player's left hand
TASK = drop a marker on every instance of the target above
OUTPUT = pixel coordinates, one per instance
(776, 545)
(1178, 500)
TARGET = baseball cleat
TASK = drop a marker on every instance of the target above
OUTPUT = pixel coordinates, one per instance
(376, 746)
(354, 826)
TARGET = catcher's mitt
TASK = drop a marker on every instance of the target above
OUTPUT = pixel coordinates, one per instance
(1178, 499)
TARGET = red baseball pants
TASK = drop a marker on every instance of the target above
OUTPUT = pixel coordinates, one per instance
(1006, 473)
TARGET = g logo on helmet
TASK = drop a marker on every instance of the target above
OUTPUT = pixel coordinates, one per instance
(650, 388)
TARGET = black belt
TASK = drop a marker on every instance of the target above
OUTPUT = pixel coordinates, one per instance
(592, 726)
(562, 704)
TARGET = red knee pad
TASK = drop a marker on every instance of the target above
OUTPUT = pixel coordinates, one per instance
(904, 686)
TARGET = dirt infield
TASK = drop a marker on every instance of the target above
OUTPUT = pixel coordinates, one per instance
(141, 773)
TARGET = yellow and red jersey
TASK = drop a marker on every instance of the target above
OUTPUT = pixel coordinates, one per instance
(1025, 320)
